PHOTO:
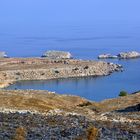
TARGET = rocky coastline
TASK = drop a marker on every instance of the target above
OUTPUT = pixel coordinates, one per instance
(122, 55)
(16, 69)
(44, 115)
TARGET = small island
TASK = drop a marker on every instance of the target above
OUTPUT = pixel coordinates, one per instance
(122, 55)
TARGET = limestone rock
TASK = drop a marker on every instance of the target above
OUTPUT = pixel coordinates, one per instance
(122, 55)
(128, 55)
(57, 55)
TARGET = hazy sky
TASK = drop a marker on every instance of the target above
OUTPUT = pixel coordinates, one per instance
(47, 20)
(51, 12)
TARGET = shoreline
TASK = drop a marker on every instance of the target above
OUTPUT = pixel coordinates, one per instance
(63, 116)
(18, 69)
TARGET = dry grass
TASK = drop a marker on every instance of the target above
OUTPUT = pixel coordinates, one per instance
(44, 101)
(92, 133)
(41, 101)
(119, 103)
(20, 134)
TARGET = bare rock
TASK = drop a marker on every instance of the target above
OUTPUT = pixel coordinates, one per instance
(107, 56)
(122, 55)
(57, 55)
(129, 55)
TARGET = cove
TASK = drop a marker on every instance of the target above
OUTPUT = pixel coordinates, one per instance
(92, 88)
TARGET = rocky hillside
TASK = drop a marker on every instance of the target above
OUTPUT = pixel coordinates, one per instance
(37, 115)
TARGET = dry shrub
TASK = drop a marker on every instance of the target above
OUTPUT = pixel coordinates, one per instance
(92, 133)
(20, 133)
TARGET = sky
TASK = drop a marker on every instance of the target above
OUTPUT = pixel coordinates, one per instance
(55, 12)
(38, 23)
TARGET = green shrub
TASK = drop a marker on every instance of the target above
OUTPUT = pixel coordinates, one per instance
(123, 93)
(85, 104)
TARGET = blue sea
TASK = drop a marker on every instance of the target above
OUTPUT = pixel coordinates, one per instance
(84, 42)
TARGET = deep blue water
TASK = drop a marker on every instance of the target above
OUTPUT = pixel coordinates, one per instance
(84, 42)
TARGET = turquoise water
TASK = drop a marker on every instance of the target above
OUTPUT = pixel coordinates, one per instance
(84, 42)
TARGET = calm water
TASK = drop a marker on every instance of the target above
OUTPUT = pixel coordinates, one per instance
(85, 42)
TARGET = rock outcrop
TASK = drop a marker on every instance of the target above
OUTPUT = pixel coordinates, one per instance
(134, 108)
(122, 55)
(128, 55)
(3, 55)
(57, 55)
(107, 56)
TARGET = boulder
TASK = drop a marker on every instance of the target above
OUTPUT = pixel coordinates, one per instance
(57, 55)
(3, 55)
(128, 55)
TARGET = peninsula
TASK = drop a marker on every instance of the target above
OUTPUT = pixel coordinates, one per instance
(16, 69)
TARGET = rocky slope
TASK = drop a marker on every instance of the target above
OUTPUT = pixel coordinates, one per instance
(37, 115)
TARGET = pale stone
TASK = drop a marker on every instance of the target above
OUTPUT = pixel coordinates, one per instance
(57, 55)
(128, 55)
(107, 56)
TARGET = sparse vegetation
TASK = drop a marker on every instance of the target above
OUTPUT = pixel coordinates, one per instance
(92, 133)
(20, 133)
(90, 123)
(76, 69)
(85, 104)
(123, 93)
(56, 71)
(86, 67)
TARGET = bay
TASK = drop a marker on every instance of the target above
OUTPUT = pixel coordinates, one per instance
(84, 42)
